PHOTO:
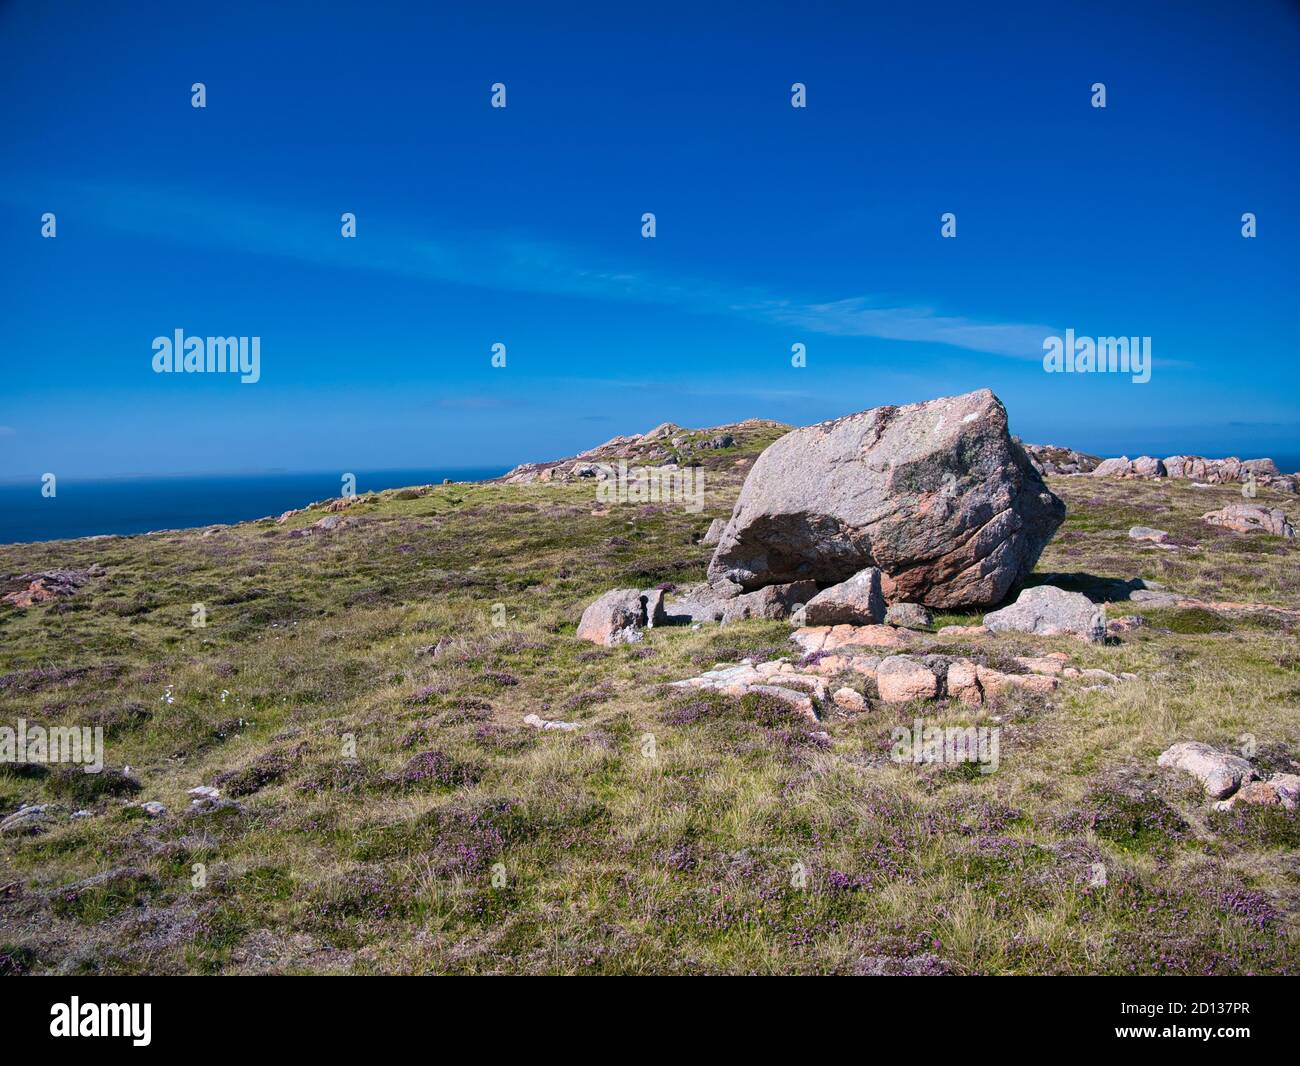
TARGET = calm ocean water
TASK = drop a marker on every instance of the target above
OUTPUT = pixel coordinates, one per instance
(138, 505)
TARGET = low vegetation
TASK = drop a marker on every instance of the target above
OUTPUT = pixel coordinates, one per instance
(357, 697)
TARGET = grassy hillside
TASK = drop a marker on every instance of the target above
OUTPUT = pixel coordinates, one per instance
(359, 695)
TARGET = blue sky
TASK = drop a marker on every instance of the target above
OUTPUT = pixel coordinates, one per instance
(522, 226)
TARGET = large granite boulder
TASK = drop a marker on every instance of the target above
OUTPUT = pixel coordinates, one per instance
(936, 494)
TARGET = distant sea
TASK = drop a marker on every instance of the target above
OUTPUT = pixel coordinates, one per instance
(125, 505)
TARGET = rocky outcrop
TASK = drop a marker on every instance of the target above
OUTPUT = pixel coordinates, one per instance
(1148, 466)
(1049, 612)
(1199, 469)
(1230, 779)
(1051, 459)
(1113, 467)
(898, 679)
(1251, 518)
(935, 494)
(29, 590)
(814, 639)
(665, 444)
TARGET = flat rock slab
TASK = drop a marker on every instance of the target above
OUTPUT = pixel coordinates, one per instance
(829, 638)
(1221, 774)
(538, 722)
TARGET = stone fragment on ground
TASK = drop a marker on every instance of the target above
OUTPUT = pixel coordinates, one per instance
(1049, 611)
(538, 722)
(714, 533)
(779, 679)
(1220, 773)
(1155, 536)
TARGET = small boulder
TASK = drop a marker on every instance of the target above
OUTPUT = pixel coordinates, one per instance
(1049, 611)
(908, 616)
(850, 699)
(1155, 536)
(963, 683)
(857, 601)
(1148, 466)
(1113, 467)
(616, 617)
(1221, 774)
(715, 532)
(995, 682)
(1043, 664)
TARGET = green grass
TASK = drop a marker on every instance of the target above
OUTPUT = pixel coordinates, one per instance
(352, 693)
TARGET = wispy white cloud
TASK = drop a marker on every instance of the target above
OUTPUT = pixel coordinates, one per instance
(518, 263)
